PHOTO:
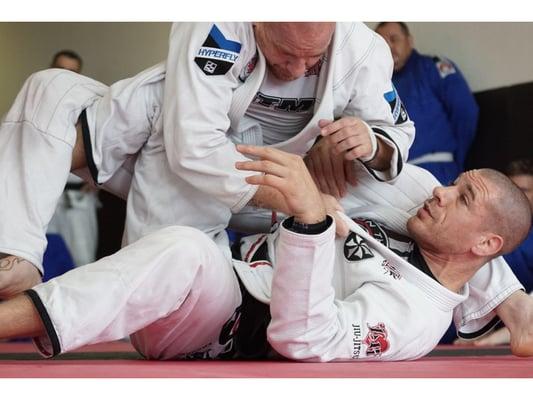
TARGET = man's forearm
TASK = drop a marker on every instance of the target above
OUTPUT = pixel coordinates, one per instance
(269, 198)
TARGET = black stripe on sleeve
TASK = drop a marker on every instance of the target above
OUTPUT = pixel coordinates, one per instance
(474, 335)
(88, 147)
(399, 166)
(47, 322)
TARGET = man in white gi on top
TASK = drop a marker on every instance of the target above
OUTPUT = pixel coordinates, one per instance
(375, 295)
(317, 72)
(38, 141)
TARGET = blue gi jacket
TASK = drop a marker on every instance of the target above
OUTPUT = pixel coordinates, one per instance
(444, 110)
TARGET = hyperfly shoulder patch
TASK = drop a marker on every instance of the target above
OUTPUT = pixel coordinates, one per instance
(217, 54)
(399, 113)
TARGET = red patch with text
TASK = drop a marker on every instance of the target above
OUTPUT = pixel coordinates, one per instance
(376, 340)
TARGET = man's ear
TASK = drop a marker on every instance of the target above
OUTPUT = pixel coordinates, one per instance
(488, 245)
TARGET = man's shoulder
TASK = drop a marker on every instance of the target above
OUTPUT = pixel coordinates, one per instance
(355, 43)
(353, 39)
(440, 66)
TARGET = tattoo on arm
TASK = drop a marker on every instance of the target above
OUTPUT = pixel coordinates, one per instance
(7, 264)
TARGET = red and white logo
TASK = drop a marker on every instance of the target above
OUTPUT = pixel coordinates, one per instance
(376, 340)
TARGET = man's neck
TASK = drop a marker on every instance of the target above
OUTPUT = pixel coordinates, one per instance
(452, 271)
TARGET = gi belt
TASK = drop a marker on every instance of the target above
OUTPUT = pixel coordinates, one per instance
(442, 156)
(74, 186)
(250, 337)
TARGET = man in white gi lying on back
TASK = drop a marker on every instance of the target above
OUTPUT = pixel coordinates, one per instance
(62, 121)
(376, 294)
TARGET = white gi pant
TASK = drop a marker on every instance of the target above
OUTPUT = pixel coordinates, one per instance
(120, 120)
(38, 135)
(173, 290)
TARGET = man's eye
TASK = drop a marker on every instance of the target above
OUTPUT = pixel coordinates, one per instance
(464, 200)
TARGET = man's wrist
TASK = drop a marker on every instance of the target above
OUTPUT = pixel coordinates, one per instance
(297, 226)
(374, 144)
(382, 158)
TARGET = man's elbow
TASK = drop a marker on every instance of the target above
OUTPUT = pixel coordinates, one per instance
(295, 347)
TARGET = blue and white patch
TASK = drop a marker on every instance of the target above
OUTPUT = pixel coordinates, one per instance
(399, 113)
(217, 54)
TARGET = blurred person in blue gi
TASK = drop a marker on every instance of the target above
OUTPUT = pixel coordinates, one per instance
(437, 99)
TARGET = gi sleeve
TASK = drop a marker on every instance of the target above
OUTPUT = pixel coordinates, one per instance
(459, 103)
(375, 100)
(203, 67)
(374, 322)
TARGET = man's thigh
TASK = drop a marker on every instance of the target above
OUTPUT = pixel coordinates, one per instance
(204, 314)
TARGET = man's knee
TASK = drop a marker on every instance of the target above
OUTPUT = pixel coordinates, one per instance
(185, 239)
(189, 248)
(16, 276)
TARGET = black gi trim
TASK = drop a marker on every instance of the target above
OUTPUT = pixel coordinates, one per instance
(399, 166)
(251, 341)
(491, 325)
(87, 146)
(250, 338)
(74, 186)
(47, 322)
(416, 259)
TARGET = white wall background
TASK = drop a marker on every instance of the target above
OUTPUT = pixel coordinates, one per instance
(110, 51)
(489, 54)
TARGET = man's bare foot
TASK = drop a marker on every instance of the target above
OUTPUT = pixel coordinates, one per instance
(16, 275)
(522, 338)
(517, 314)
(501, 336)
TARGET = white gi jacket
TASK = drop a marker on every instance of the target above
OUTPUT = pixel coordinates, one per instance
(220, 69)
(327, 306)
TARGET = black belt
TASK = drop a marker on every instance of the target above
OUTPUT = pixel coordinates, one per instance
(74, 186)
(250, 338)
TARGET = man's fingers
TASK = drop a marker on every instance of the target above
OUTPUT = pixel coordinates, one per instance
(349, 170)
(318, 174)
(328, 172)
(267, 180)
(339, 176)
(324, 122)
(312, 166)
(356, 152)
(267, 153)
(352, 142)
(335, 126)
(265, 166)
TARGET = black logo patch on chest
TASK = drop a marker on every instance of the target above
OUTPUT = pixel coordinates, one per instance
(356, 249)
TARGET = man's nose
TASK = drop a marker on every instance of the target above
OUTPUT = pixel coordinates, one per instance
(440, 193)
